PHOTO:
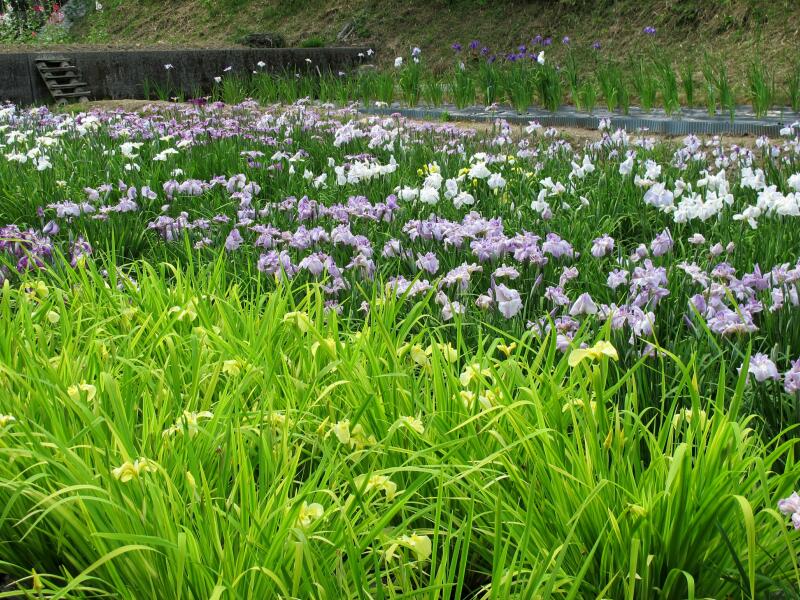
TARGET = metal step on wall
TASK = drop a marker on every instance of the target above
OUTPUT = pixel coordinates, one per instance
(63, 79)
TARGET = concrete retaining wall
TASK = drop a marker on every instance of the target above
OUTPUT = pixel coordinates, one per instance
(122, 74)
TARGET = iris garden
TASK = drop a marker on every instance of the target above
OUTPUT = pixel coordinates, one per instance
(291, 351)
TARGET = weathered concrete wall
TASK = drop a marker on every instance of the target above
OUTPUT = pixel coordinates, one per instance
(15, 78)
(122, 74)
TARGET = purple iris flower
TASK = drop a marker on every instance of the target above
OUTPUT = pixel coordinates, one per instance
(456, 47)
(51, 228)
(762, 368)
(233, 241)
(791, 379)
(602, 246)
(428, 262)
(662, 243)
(649, 30)
(584, 305)
(509, 302)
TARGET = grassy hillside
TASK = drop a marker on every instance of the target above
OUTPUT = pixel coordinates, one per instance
(736, 31)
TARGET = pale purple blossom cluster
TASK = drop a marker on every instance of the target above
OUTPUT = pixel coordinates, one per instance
(489, 233)
(791, 508)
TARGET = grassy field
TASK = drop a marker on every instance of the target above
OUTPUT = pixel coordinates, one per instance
(288, 351)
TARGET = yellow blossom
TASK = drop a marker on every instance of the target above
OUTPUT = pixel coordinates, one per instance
(359, 438)
(687, 415)
(188, 423)
(299, 319)
(596, 352)
(74, 391)
(637, 510)
(128, 313)
(188, 313)
(467, 398)
(471, 372)
(133, 470)
(447, 351)
(190, 481)
(231, 367)
(417, 353)
(308, 514)
(579, 403)
(6, 420)
(356, 437)
(342, 431)
(420, 545)
(53, 316)
(507, 349)
(377, 482)
(203, 334)
(414, 423)
(486, 401)
(278, 421)
(37, 290)
(327, 344)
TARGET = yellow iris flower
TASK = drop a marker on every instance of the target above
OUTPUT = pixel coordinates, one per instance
(596, 352)
(74, 391)
(231, 367)
(308, 514)
(420, 545)
(377, 482)
(300, 319)
(507, 349)
(414, 423)
(133, 470)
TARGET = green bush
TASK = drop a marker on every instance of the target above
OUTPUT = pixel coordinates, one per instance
(313, 42)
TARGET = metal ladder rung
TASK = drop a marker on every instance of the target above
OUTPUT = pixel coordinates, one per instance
(64, 80)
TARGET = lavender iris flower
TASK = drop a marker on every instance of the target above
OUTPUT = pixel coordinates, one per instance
(584, 305)
(508, 300)
(791, 380)
(762, 368)
(602, 246)
(662, 244)
(428, 262)
(233, 241)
